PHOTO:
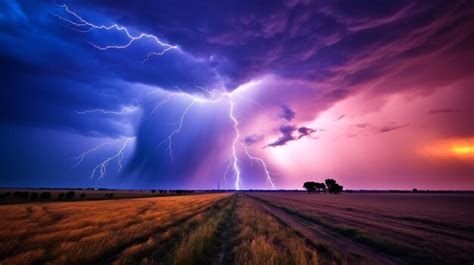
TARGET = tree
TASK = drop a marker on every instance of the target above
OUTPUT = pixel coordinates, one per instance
(21, 194)
(34, 196)
(70, 194)
(321, 186)
(333, 187)
(5, 195)
(83, 195)
(45, 195)
(310, 186)
(61, 195)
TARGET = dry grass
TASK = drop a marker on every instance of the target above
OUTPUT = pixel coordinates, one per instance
(191, 242)
(196, 248)
(87, 232)
(264, 240)
(223, 229)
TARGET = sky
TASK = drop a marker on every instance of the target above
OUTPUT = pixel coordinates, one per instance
(237, 94)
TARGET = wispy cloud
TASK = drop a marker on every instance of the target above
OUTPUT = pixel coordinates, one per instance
(291, 133)
(390, 128)
(442, 111)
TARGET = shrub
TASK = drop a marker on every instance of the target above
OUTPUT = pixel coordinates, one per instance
(45, 195)
(5, 195)
(83, 195)
(61, 195)
(21, 194)
(70, 194)
(34, 196)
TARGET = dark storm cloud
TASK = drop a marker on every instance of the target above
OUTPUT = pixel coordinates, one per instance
(253, 138)
(49, 72)
(291, 133)
(287, 113)
(192, 147)
(338, 44)
(286, 136)
(305, 131)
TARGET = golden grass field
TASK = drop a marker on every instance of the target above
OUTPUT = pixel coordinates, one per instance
(220, 228)
(238, 228)
(93, 231)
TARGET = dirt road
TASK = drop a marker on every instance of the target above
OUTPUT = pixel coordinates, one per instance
(353, 252)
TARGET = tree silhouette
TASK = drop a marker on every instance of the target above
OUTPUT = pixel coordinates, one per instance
(310, 186)
(321, 187)
(21, 194)
(34, 196)
(333, 187)
(45, 195)
(70, 194)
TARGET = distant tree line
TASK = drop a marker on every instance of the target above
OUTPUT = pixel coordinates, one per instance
(71, 195)
(172, 191)
(330, 186)
(46, 195)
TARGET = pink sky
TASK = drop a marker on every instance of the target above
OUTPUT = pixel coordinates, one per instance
(409, 126)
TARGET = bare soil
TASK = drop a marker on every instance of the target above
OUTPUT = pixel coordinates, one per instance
(385, 228)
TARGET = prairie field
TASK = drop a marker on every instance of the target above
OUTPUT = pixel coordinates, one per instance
(385, 228)
(242, 228)
(99, 231)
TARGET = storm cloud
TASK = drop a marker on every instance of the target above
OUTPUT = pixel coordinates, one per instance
(307, 56)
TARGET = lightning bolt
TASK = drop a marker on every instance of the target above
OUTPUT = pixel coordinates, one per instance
(264, 166)
(122, 111)
(225, 174)
(169, 139)
(81, 157)
(100, 169)
(118, 156)
(213, 97)
(79, 24)
(235, 160)
(216, 96)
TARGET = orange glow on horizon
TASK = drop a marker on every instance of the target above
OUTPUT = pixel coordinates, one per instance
(463, 150)
(451, 148)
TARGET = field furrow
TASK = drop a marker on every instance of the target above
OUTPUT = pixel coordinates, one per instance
(389, 226)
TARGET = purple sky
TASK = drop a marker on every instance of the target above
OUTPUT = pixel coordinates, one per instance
(376, 94)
